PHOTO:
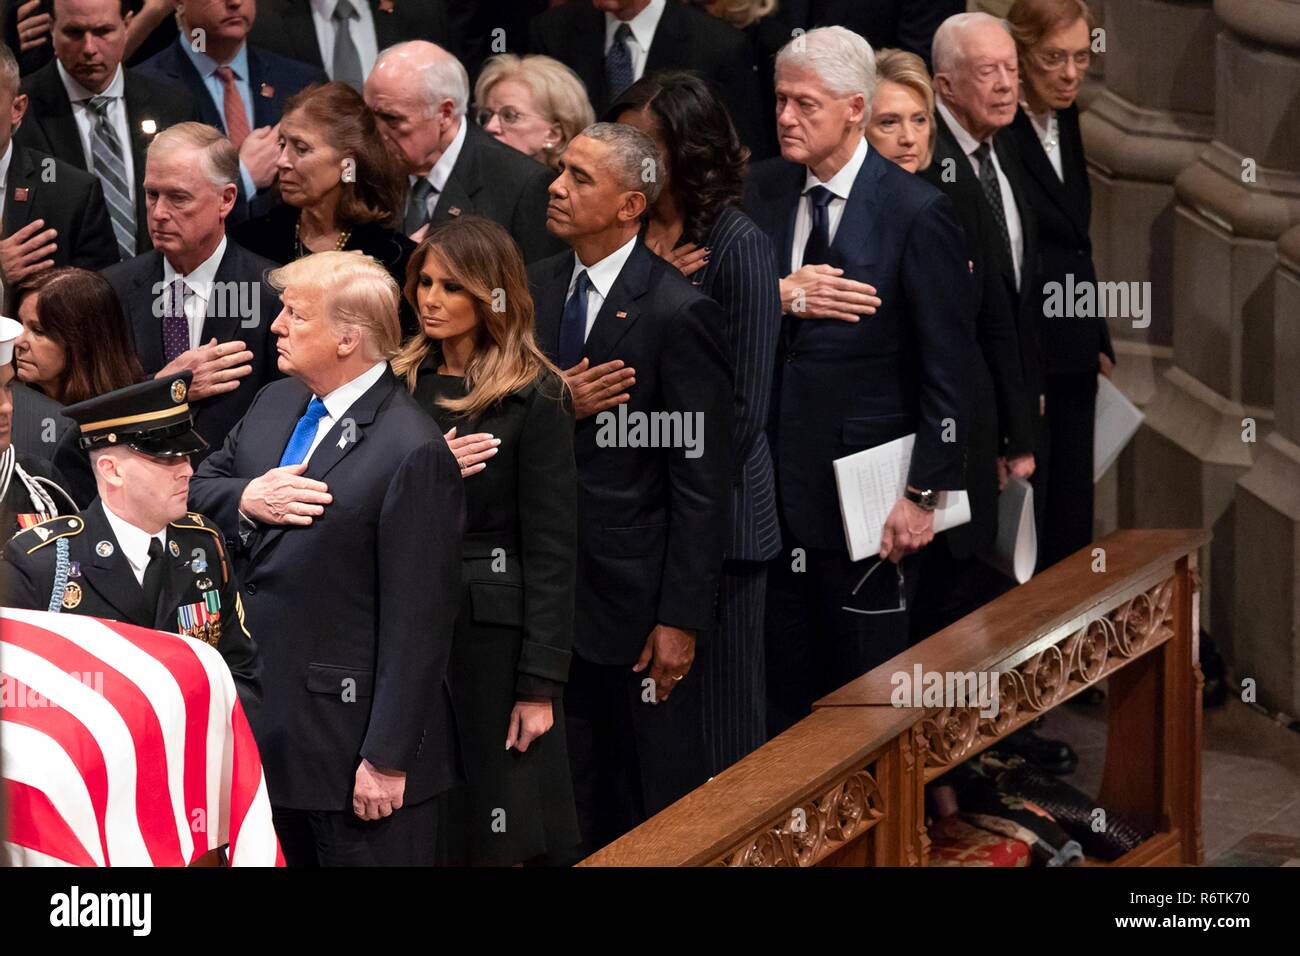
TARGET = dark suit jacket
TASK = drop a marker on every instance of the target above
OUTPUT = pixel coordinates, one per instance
(32, 411)
(359, 606)
(685, 39)
(285, 26)
(271, 77)
(906, 24)
(1063, 211)
(502, 184)
(652, 522)
(742, 277)
(69, 199)
(106, 586)
(233, 314)
(51, 128)
(29, 61)
(843, 387)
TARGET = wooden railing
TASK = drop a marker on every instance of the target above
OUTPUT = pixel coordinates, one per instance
(845, 786)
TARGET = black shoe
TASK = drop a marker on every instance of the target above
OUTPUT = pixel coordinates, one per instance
(1054, 756)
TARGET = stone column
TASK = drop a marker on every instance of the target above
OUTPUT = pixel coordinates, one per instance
(1213, 406)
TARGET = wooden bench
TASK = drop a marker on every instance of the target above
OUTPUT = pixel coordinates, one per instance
(845, 786)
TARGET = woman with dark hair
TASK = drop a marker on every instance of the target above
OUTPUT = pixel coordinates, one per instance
(696, 224)
(340, 186)
(476, 368)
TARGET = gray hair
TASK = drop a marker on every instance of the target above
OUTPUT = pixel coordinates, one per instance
(947, 51)
(842, 59)
(220, 157)
(635, 157)
(441, 75)
(8, 70)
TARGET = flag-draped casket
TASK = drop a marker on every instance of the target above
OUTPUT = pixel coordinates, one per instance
(124, 746)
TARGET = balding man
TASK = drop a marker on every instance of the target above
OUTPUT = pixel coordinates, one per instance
(418, 92)
(347, 506)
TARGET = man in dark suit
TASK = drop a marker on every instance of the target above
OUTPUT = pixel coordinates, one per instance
(349, 507)
(875, 346)
(90, 112)
(236, 87)
(652, 513)
(218, 327)
(900, 24)
(343, 37)
(53, 214)
(611, 44)
(135, 554)
(454, 168)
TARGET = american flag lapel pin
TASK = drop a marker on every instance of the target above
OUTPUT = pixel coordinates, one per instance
(620, 315)
(454, 211)
(20, 194)
(266, 90)
(385, 6)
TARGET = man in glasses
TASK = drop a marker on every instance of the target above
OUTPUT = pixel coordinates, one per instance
(418, 93)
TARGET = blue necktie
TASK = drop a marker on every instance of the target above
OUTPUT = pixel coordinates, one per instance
(573, 324)
(303, 434)
(618, 62)
(818, 246)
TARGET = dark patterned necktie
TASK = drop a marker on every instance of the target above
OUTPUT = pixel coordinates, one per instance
(618, 62)
(817, 249)
(110, 166)
(176, 327)
(993, 193)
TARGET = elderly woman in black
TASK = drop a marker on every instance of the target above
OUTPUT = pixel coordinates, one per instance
(697, 225)
(475, 366)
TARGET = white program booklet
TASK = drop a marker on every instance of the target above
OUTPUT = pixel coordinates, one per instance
(1116, 424)
(870, 482)
(1015, 552)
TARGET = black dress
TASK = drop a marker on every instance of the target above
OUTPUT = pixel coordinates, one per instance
(515, 626)
(272, 236)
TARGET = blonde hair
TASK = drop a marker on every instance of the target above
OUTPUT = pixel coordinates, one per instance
(908, 70)
(560, 94)
(355, 292)
(483, 258)
(220, 157)
(741, 13)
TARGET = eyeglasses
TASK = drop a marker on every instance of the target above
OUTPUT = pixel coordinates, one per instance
(509, 115)
(1054, 60)
(877, 597)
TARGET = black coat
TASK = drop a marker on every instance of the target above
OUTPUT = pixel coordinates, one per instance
(102, 584)
(1063, 210)
(271, 236)
(515, 627)
(70, 200)
(139, 284)
(906, 24)
(685, 39)
(285, 26)
(38, 423)
(17, 499)
(652, 523)
(357, 609)
(49, 126)
(843, 387)
(501, 184)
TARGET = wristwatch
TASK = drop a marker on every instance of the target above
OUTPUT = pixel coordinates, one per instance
(925, 499)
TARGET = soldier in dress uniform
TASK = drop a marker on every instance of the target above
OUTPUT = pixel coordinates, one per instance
(135, 554)
(30, 488)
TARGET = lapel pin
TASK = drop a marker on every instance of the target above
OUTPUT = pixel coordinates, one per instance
(104, 549)
(74, 569)
(454, 211)
(148, 127)
(621, 315)
(20, 194)
(385, 6)
(71, 595)
(266, 90)
(174, 548)
(203, 584)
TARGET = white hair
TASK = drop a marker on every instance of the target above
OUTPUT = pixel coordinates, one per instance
(842, 59)
(634, 157)
(441, 75)
(947, 51)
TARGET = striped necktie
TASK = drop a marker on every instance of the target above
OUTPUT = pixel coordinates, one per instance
(110, 166)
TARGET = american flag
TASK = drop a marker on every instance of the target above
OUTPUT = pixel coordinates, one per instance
(124, 746)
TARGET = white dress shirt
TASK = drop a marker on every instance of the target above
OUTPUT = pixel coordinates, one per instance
(207, 68)
(1048, 129)
(840, 185)
(643, 27)
(441, 170)
(602, 275)
(87, 118)
(362, 30)
(198, 286)
(968, 145)
(341, 399)
(134, 542)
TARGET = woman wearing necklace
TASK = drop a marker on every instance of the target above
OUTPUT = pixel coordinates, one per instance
(1053, 38)
(339, 187)
(475, 367)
